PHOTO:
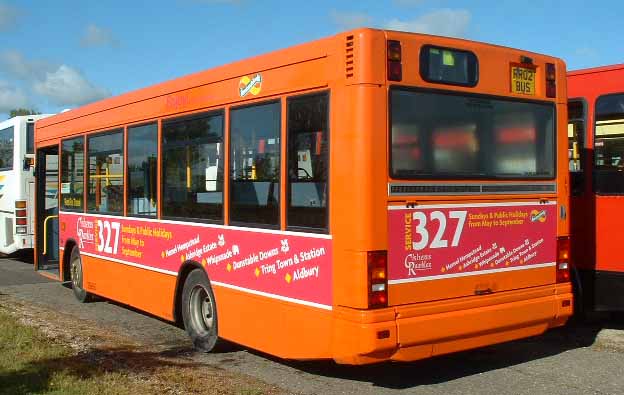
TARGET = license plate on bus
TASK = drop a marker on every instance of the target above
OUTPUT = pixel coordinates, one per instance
(522, 80)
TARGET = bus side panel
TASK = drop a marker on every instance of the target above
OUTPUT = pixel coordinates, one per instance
(358, 188)
(280, 328)
(144, 289)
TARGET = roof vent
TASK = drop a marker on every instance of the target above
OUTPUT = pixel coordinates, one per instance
(349, 57)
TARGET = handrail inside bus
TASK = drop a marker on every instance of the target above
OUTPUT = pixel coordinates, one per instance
(45, 234)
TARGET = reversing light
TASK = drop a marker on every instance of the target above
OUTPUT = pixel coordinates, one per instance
(563, 259)
(21, 230)
(395, 69)
(377, 262)
(551, 80)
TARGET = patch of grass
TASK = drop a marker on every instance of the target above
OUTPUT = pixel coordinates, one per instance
(37, 360)
(31, 363)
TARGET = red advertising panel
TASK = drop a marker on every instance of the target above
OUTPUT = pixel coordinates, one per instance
(438, 241)
(283, 265)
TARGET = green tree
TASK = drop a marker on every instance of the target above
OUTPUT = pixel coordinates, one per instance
(22, 111)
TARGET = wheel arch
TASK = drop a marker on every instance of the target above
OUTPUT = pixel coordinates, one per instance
(69, 245)
(186, 268)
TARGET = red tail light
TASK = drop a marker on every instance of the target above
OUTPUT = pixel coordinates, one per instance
(563, 259)
(377, 279)
(20, 213)
(395, 69)
(20, 221)
(551, 80)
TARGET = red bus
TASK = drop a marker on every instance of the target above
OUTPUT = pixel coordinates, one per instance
(596, 152)
(370, 196)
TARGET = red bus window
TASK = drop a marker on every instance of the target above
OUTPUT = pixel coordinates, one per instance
(609, 144)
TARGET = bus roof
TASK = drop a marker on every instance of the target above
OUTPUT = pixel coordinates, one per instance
(593, 70)
(313, 50)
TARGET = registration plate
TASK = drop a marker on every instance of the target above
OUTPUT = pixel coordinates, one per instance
(522, 80)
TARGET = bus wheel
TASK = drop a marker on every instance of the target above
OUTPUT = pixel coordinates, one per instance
(75, 269)
(199, 311)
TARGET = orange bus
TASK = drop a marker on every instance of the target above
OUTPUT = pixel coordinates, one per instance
(370, 196)
(596, 152)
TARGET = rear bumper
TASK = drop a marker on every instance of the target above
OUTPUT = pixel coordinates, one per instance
(417, 331)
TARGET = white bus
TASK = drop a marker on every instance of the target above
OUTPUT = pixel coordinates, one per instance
(17, 183)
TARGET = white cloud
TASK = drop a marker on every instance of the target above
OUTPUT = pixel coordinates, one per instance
(66, 86)
(11, 97)
(8, 16)
(350, 20)
(96, 36)
(443, 22)
(61, 84)
(15, 64)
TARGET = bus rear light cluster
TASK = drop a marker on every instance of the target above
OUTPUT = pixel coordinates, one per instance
(21, 220)
(563, 259)
(377, 262)
(395, 69)
(551, 80)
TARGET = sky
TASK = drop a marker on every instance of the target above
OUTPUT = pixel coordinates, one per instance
(66, 53)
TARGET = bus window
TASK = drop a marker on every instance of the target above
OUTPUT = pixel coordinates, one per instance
(105, 163)
(455, 148)
(30, 137)
(72, 174)
(193, 167)
(308, 161)
(255, 164)
(142, 167)
(609, 144)
(450, 136)
(515, 144)
(576, 138)
(6, 149)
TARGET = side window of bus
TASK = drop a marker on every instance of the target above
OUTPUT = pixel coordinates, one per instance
(142, 168)
(6, 149)
(308, 161)
(30, 138)
(576, 142)
(72, 174)
(609, 145)
(106, 173)
(192, 162)
(255, 164)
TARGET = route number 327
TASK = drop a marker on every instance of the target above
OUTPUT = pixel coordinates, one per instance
(420, 227)
(104, 233)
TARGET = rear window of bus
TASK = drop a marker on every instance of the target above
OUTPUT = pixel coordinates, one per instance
(448, 135)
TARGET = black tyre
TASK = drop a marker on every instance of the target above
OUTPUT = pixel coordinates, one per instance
(199, 311)
(75, 270)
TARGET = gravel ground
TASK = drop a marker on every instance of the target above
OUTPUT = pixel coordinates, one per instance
(578, 359)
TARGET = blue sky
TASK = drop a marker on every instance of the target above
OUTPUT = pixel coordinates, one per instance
(62, 54)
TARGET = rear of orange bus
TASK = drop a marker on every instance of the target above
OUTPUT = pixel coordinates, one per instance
(451, 180)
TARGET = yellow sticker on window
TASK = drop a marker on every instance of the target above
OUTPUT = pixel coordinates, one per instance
(447, 58)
